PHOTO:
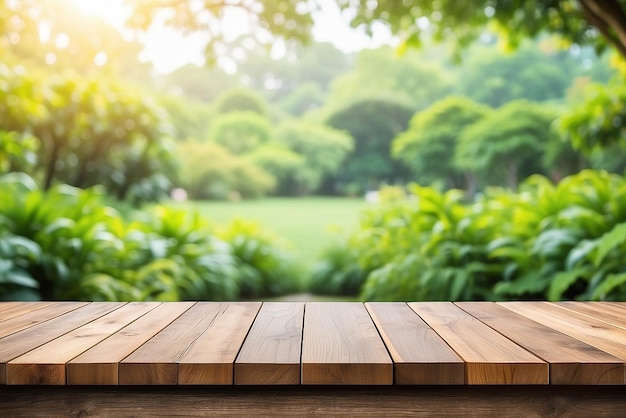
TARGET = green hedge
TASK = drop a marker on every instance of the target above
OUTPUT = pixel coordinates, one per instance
(565, 241)
(67, 244)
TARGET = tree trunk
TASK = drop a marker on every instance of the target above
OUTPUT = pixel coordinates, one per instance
(610, 19)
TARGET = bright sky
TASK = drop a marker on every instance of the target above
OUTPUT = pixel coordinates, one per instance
(168, 49)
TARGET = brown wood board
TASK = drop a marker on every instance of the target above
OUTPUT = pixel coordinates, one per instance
(209, 359)
(490, 358)
(9, 310)
(156, 361)
(43, 314)
(46, 364)
(271, 352)
(21, 342)
(582, 327)
(342, 346)
(99, 364)
(419, 355)
(572, 362)
(610, 313)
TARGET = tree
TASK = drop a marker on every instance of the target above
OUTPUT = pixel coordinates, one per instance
(276, 20)
(429, 145)
(240, 132)
(210, 171)
(89, 132)
(379, 71)
(577, 21)
(373, 123)
(322, 149)
(240, 99)
(507, 145)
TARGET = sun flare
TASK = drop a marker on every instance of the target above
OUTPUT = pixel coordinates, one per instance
(113, 11)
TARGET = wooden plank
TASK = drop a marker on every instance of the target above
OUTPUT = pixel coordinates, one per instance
(209, 360)
(614, 314)
(271, 353)
(321, 401)
(45, 365)
(572, 362)
(582, 327)
(10, 310)
(99, 364)
(342, 346)
(156, 362)
(42, 314)
(490, 358)
(420, 356)
(28, 339)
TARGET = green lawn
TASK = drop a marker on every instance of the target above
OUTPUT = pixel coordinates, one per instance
(307, 224)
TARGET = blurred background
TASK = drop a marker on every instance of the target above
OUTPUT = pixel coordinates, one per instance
(199, 150)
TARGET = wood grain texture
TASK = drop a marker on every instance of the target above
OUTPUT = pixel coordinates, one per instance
(419, 355)
(271, 352)
(34, 317)
(490, 358)
(611, 313)
(582, 327)
(342, 346)
(45, 365)
(9, 310)
(99, 364)
(209, 360)
(292, 401)
(572, 362)
(156, 361)
(21, 342)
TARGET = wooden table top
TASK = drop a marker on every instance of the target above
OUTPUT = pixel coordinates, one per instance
(313, 343)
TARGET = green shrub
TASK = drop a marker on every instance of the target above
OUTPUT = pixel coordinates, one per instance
(565, 241)
(66, 244)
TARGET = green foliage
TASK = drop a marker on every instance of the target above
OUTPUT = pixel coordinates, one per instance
(428, 146)
(65, 244)
(88, 132)
(264, 269)
(373, 124)
(321, 148)
(597, 122)
(564, 241)
(240, 132)
(210, 171)
(507, 144)
(241, 100)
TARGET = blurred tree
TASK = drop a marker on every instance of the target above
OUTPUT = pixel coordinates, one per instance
(429, 145)
(596, 22)
(409, 78)
(201, 83)
(89, 132)
(240, 132)
(57, 36)
(373, 123)
(493, 78)
(210, 171)
(322, 149)
(268, 21)
(308, 96)
(506, 145)
(241, 99)
(190, 118)
(597, 121)
(284, 164)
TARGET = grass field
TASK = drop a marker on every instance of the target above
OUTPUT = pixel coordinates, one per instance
(306, 224)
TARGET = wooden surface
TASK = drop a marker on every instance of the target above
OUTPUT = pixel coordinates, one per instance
(306, 401)
(272, 350)
(342, 346)
(490, 358)
(284, 343)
